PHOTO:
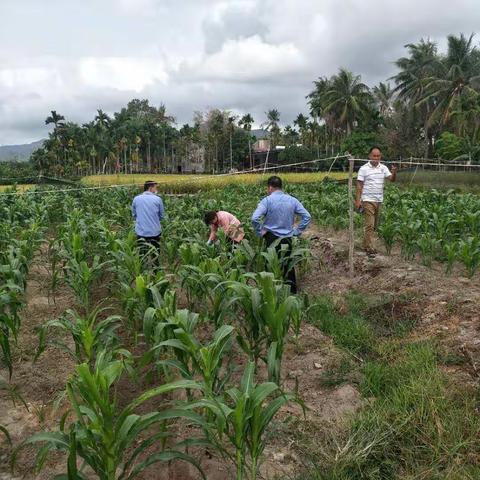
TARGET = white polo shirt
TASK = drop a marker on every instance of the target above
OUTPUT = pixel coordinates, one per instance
(373, 179)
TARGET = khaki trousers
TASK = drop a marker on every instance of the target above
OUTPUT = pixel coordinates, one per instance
(371, 212)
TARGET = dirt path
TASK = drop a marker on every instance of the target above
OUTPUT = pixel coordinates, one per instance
(38, 383)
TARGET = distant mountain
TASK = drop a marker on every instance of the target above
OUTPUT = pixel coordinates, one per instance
(20, 153)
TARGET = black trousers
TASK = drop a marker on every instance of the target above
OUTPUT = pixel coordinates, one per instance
(145, 244)
(288, 273)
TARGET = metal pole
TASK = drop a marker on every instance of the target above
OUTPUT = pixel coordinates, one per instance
(351, 237)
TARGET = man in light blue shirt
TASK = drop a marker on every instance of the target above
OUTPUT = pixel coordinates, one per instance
(148, 211)
(278, 211)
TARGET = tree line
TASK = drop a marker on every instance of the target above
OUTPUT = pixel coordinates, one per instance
(430, 107)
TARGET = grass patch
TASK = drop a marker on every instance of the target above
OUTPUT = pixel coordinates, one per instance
(338, 373)
(417, 423)
(348, 331)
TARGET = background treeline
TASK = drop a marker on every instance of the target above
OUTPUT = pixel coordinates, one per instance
(431, 107)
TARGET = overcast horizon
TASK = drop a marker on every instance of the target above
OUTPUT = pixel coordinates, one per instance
(244, 56)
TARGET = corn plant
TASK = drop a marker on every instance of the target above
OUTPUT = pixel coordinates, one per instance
(193, 358)
(10, 303)
(451, 254)
(55, 265)
(277, 310)
(126, 260)
(268, 309)
(136, 297)
(81, 276)
(388, 232)
(243, 416)
(111, 440)
(89, 334)
(469, 253)
(208, 281)
(160, 326)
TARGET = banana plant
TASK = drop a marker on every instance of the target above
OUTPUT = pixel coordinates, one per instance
(112, 441)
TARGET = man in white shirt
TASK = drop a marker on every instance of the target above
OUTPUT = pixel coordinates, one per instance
(369, 194)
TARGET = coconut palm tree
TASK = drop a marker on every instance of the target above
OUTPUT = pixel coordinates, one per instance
(273, 118)
(348, 99)
(246, 123)
(317, 110)
(302, 123)
(383, 95)
(456, 78)
(56, 119)
(420, 64)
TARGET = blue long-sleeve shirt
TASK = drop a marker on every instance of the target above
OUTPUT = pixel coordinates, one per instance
(278, 211)
(148, 211)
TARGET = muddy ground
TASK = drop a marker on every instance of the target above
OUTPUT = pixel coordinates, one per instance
(446, 307)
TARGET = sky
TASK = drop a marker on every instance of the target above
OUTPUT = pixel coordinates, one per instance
(76, 56)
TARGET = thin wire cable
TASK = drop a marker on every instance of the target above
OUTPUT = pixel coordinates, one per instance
(427, 164)
(243, 172)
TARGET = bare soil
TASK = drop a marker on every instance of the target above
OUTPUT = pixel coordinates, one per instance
(445, 307)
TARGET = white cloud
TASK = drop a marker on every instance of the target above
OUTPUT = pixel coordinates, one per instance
(249, 59)
(243, 55)
(28, 78)
(133, 74)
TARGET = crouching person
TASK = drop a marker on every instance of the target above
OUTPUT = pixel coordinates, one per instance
(227, 222)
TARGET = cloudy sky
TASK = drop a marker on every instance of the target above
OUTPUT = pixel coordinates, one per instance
(75, 56)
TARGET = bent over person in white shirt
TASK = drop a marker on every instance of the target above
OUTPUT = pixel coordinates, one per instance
(369, 194)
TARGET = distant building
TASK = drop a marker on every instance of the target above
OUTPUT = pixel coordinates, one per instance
(193, 161)
(262, 150)
(262, 140)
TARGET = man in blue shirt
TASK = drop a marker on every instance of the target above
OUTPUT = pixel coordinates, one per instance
(148, 211)
(278, 211)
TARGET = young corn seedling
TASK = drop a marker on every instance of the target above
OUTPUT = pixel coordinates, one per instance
(193, 358)
(160, 326)
(277, 310)
(145, 292)
(81, 276)
(451, 254)
(110, 440)
(469, 253)
(10, 303)
(387, 232)
(89, 334)
(243, 416)
(126, 259)
(268, 309)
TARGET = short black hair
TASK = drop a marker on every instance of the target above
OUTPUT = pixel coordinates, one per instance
(375, 148)
(209, 217)
(148, 184)
(274, 182)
